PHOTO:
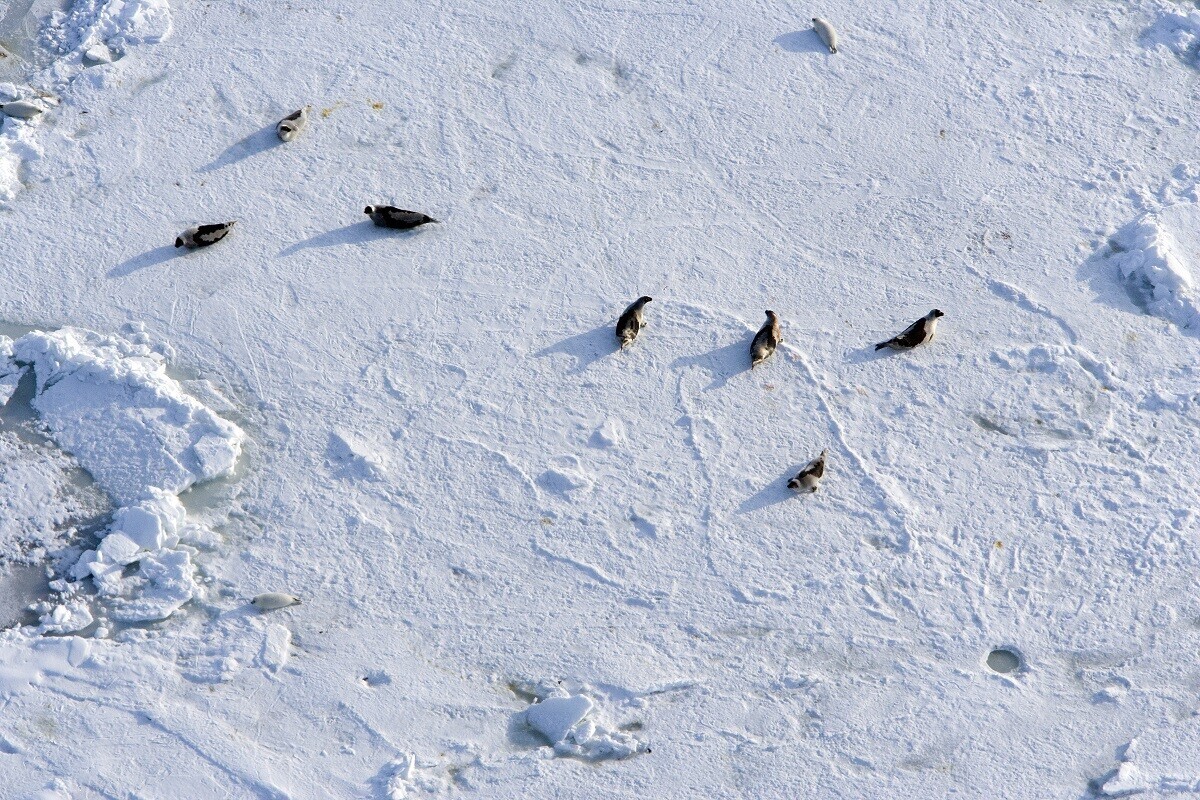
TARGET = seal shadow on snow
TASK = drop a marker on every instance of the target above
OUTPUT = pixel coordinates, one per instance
(774, 493)
(356, 233)
(585, 348)
(805, 41)
(260, 141)
(867, 354)
(149, 258)
(722, 364)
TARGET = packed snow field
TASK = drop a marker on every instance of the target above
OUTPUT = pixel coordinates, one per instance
(534, 564)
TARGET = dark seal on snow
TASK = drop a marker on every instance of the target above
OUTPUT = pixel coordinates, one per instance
(203, 235)
(766, 340)
(631, 321)
(392, 217)
(916, 334)
(810, 477)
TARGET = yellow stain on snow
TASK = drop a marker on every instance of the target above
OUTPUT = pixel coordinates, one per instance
(325, 112)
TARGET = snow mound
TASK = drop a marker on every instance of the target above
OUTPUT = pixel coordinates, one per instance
(571, 724)
(1179, 33)
(1155, 255)
(356, 458)
(1160, 760)
(109, 401)
(25, 662)
(566, 475)
(18, 145)
(406, 777)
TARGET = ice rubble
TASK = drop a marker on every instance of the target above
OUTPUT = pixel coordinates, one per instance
(114, 24)
(109, 401)
(568, 723)
(91, 33)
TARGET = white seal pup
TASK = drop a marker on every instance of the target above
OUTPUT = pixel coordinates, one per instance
(203, 235)
(766, 340)
(22, 109)
(918, 333)
(826, 33)
(272, 601)
(392, 217)
(290, 126)
(810, 477)
(631, 322)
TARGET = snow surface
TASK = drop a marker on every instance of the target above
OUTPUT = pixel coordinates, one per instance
(477, 496)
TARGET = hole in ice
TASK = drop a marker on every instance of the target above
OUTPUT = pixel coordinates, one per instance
(1004, 660)
(21, 585)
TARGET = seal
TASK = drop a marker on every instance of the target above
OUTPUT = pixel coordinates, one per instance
(22, 109)
(826, 32)
(916, 334)
(203, 235)
(290, 126)
(631, 322)
(766, 340)
(392, 217)
(272, 601)
(809, 478)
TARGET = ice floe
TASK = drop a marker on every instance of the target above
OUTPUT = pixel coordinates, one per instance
(109, 402)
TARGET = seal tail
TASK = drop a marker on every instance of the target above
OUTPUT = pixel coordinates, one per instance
(882, 345)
